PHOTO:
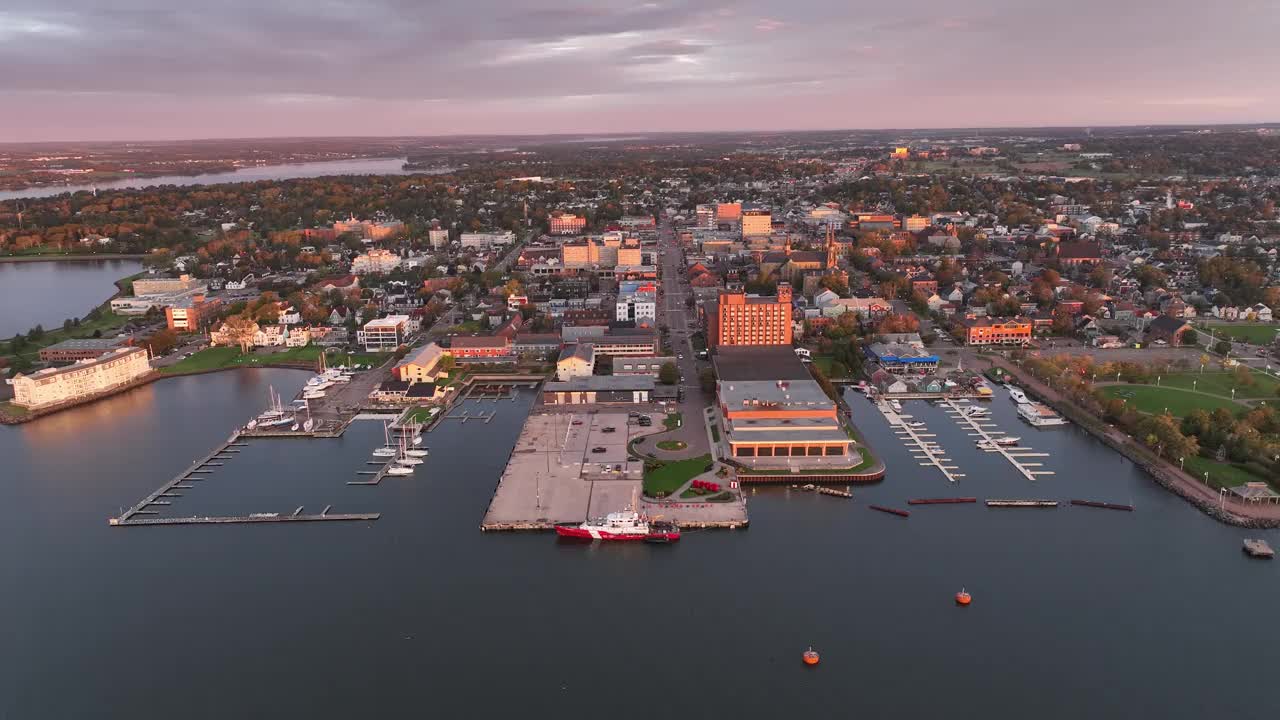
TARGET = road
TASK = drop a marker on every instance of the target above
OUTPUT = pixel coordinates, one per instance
(675, 316)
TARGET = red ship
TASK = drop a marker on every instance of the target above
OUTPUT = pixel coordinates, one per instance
(626, 525)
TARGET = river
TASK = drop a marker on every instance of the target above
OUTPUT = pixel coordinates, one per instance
(51, 291)
(1077, 612)
(364, 166)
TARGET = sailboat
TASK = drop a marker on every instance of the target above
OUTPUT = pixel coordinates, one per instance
(274, 415)
(387, 450)
(404, 459)
(309, 424)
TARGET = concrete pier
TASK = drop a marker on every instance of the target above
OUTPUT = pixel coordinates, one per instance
(164, 490)
(259, 518)
(571, 467)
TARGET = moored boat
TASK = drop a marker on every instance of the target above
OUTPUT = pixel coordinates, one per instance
(1040, 415)
(1016, 395)
(625, 525)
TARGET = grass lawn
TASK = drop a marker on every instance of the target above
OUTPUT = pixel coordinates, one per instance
(1221, 383)
(673, 421)
(1153, 400)
(672, 445)
(1220, 474)
(422, 414)
(109, 323)
(668, 476)
(1256, 333)
(14, 411)
(226, 357)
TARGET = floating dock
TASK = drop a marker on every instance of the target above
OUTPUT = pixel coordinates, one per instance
(1022, 503)
(942, 501)
(980, 427)
(926, 451)
(1258, 548)
(254, 518)
(891, 511)
(1099, 504)
(166, 489)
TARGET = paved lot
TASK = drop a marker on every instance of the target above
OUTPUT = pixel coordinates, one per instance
(554, 475)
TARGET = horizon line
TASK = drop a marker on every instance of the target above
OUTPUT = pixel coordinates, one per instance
(1265, 124)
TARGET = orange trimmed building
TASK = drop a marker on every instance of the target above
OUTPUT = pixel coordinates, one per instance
(775, 413)
(742, 319)
(997, 331)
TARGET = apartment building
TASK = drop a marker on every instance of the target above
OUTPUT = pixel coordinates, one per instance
(742, 319)
(83, 379)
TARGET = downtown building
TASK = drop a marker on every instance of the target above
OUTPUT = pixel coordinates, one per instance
(741, 319)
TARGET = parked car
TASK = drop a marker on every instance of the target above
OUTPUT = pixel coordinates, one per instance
(598, 449)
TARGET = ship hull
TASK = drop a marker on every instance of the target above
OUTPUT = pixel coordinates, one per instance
(575, 531)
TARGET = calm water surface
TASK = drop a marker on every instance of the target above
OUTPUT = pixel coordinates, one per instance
(1077, 612)
(366, 166)
(48, 292)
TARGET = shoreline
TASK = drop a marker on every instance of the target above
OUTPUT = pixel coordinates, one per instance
(151, 377)
(74, 257)
(1161, 471)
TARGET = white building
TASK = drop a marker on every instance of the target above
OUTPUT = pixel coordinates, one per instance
(375, 261)
(438, 237)
(485, 240)
(638, 307)
(384, 334)
(83, 379)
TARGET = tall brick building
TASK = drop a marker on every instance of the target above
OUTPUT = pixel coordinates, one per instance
(742, 319)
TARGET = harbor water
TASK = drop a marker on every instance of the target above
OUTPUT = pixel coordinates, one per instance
(362, 166)
(1077, 612)
(52, 291)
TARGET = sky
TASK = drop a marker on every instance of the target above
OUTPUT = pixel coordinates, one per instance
(177, 69)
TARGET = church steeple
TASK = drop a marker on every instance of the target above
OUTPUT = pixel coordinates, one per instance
(831, 247)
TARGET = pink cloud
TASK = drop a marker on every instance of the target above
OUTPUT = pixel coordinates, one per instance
(769, 24)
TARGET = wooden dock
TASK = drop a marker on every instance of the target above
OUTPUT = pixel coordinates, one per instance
(258, 518)
(926, 451)
(981, 428)
(166, 490)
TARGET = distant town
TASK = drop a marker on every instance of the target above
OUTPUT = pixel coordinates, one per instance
(713, 302)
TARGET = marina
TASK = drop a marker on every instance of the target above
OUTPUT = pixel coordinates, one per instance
(926, 451)
(291, 581)
(992, 440)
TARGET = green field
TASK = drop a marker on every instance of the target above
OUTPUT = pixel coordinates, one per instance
(1220, 474)
(1221, 383)
(1154, 400)
(669, 476)
(671, 445)
(1256, 333)
(217, 358)
(422, 414)
(108, 323)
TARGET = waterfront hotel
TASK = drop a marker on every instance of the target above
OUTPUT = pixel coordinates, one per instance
(773, 408)
(53, 386)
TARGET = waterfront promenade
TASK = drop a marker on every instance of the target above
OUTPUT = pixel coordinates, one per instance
(1217, 505)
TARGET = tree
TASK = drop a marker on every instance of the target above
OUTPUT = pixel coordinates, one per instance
(707, 379)
(1222, 347)
(240, 329)
(669, 374)
(162, 342)
(36, 333)
(899, 323)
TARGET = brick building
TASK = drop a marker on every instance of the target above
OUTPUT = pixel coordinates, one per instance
(742, 319)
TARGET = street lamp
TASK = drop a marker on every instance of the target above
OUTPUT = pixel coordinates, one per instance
(1179, 463)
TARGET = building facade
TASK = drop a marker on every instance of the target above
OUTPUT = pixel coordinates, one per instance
(384, 334)
(567, 224)
(83, 379)
(743, 319)
(997, 331)
(375, 261)
(756, 221)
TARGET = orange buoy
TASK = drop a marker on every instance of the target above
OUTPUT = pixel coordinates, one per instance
(963, 598)
(810, 656)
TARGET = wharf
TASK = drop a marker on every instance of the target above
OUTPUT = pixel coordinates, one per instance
(166, 489)
(926, 451)
(1258, 548)
(1014, 454)
(259, 518)
(555, 474)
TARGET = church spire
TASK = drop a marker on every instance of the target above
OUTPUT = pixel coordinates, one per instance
(831, 247)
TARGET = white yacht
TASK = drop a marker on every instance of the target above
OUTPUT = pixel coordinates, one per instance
(1016, 395)
(1040, 415)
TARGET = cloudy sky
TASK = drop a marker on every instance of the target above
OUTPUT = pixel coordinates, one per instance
(166, 69)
